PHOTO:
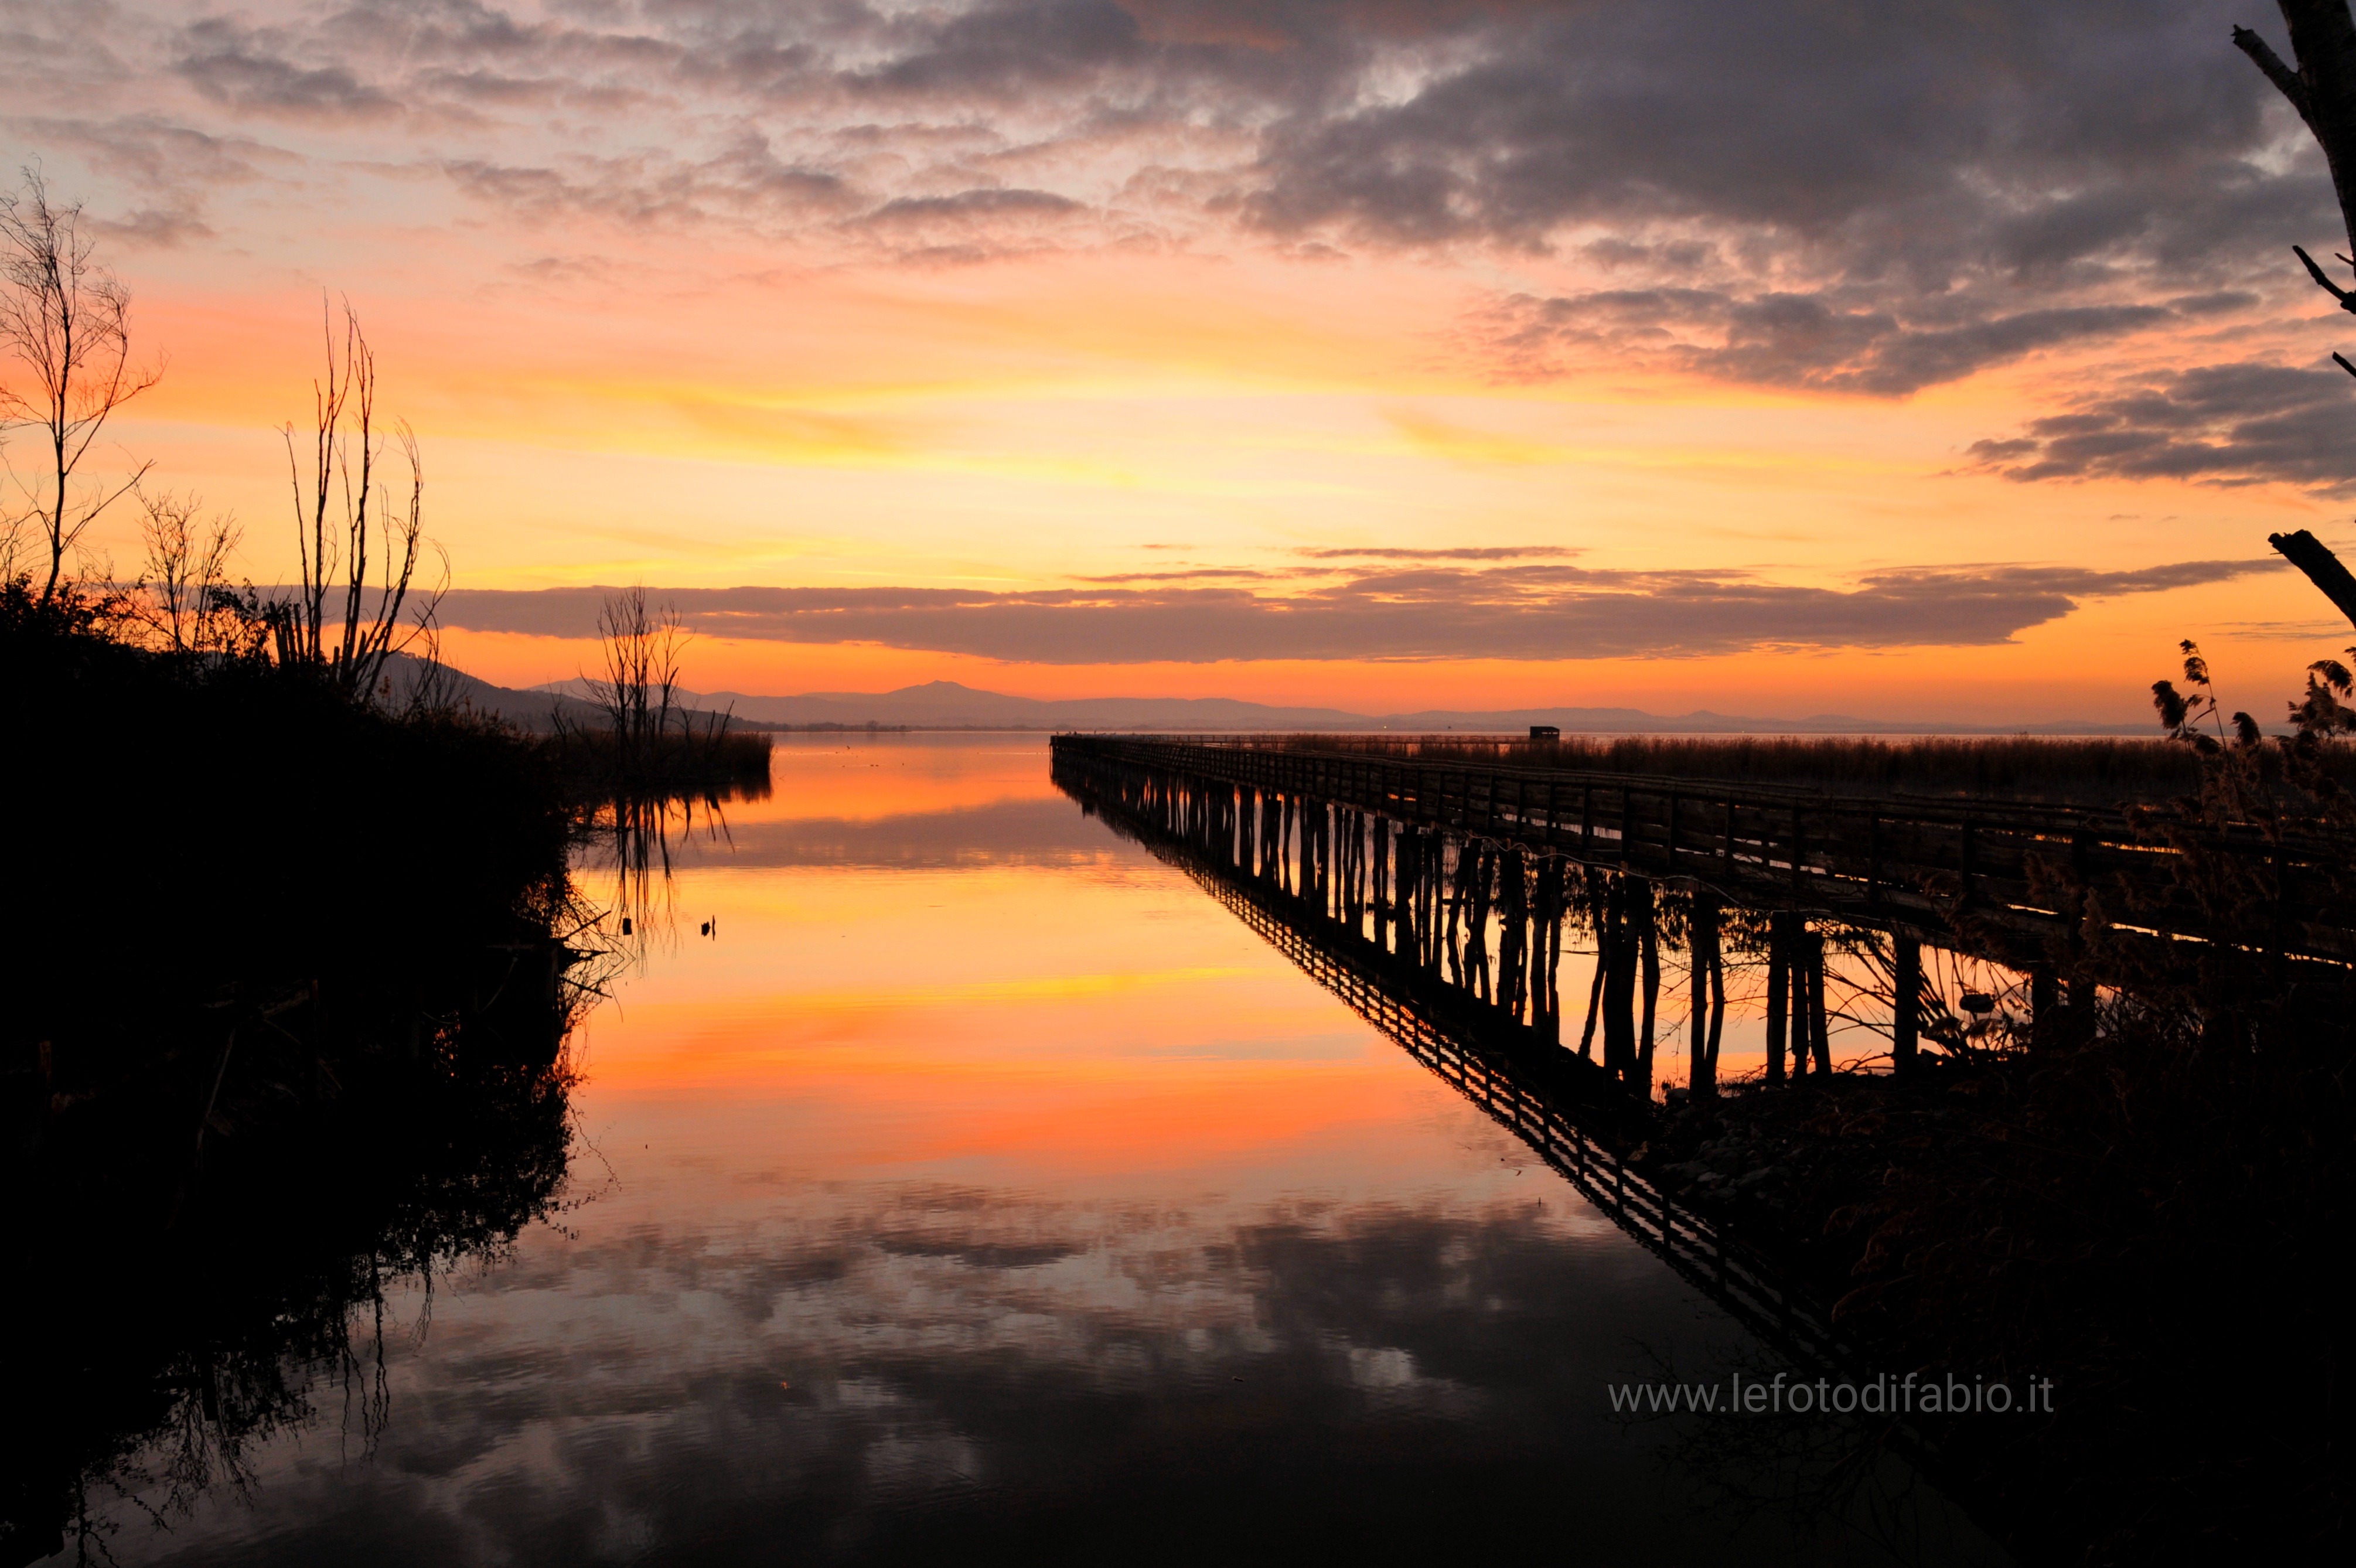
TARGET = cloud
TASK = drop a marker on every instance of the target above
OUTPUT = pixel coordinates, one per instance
(745, 178)
(973, 205)
(1453, 553)
(1822, 341)
(243, 68)
(1982, 122)
(170, 171)
(154, 228)
(1427, 612)
(2238, 424)
(1860, 201)
(1187, 574)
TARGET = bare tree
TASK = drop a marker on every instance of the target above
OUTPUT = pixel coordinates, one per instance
(337, 622)
(184, 585)
(67, 320)
(2323, 90)
(642, 644)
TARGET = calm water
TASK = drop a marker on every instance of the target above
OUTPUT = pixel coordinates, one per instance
(980, 1189)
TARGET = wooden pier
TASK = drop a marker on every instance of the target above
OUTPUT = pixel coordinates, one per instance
(1934, 870)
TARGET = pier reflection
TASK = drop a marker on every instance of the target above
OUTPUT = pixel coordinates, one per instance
(1399, 922)
(1494, 1041)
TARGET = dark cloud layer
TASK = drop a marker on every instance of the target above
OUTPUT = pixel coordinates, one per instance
(1873, 199)
(1520, 612)
(1867, 201)
(2225, 424)
(1796, 340)
(1455, 552)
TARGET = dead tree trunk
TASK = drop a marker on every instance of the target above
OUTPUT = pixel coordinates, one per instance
(2322, 88)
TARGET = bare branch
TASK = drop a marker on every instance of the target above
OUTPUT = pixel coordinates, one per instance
(2346, 301)
(2286, 80)
(66, 320)
(372, 535)
(2323, 568)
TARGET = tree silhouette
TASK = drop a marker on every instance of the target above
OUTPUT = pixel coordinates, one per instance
(67, 320)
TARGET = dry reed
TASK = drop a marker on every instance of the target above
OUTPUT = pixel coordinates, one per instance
(2024, 768)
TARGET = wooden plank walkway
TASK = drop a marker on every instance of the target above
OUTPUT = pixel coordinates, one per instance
(1914, 867)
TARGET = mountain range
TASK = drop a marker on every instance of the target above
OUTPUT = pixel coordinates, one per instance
(945, 704)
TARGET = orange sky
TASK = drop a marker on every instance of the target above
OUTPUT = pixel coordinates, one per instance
(1103, 370)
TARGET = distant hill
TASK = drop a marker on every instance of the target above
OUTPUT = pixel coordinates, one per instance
(534, 711)
(946, 705)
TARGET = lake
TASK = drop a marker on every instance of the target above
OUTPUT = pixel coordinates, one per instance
(952, 1179)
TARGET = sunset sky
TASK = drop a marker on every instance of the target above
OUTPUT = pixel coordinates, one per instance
(1941, 360)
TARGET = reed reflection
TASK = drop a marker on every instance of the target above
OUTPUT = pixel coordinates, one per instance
(194, 1303)
(629, 840)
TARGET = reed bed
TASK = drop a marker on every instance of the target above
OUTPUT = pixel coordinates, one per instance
(2014, 767)
(705, 759)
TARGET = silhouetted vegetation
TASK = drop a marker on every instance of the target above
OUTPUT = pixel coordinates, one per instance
(652, 748)
(295, 965)
(211, 825)
(336, 621)
(66, 320)
(2137, 1191)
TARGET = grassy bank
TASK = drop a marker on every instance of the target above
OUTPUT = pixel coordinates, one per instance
(196, 835)
(287, 1021)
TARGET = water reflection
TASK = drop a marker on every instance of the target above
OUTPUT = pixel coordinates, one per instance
(184, 1323)
(982, 1189)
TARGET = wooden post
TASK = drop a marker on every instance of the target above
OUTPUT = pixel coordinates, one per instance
(1620, 987)
(1602, 925)
(1648, 950)
(1407, 875)
(1476, 923)
(1701, 1067)
(1717, 987)
(1905, 1022)
(1779, 973)
(1556, 875)
(1513, 946)
(1819, 1030)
